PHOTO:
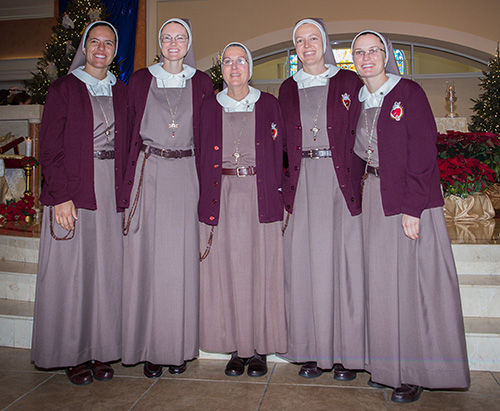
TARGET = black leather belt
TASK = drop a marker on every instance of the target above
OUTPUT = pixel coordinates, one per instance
(372, 170)
(240, 171)
(317, 153)
(104, 154)
(167, 153)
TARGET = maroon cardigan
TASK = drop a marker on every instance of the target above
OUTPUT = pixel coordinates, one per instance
(341, 125)
(67, 143)
(408, 168)
(139, 85)
(268, 154)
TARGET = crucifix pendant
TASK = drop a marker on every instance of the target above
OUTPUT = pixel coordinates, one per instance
(315, 130)
(369, 151)
(173, 125)
(236, 156)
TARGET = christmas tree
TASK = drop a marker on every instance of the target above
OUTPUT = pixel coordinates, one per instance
(61, 47)
(215, 73)
(487, 106)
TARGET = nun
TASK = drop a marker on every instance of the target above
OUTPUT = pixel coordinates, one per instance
(323, 245)
(415, 329)
(240, 210)
(77, 319)
(160, 192)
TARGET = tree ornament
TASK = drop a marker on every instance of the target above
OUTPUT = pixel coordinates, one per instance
(94, 15)
(51, 71)
(67, 23)
(70, 50)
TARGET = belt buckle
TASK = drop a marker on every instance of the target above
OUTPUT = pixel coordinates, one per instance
(163, 151)
(311, 151)
(376, 172)
(238, 174)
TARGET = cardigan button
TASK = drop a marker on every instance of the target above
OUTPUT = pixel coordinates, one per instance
(216, 147)
(133, 163)
(298, 148)
(214, 201)
(352, 131)
(129, 182)
(298, 127)
(216, 183)
(296, 168)
(216, 165)
(211, 218)
(352, 199)
(348, 170)
(292, 188)
(287, 173)
(288, 206)
(350, 151)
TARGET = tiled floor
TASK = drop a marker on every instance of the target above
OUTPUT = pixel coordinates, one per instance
(205, 387)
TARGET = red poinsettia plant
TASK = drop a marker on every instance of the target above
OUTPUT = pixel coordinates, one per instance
(462, 176)
(29, 161)
(17, 210)
(483, 146)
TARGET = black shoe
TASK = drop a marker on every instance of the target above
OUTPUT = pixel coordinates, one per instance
(310, 370)
(177, 369)
(152, 370)
(257, 366)
(235, 366)
(406, 393)
(341, 374)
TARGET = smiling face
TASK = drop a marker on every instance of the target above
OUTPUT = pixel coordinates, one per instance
(173, 50)
(99, 49)
(309, 46)
(236, 75)
(369, 65)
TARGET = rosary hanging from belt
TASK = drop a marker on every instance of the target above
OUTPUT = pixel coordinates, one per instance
(315, 129)
(110, 112)
(173, 125)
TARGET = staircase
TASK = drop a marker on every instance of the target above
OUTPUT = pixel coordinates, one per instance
(479, 277)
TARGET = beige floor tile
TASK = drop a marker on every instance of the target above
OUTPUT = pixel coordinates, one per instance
(444, 401)
(14, 384)
(15, 359)
(288, 374)
(320, 398)
(188, 395)
(59, 394)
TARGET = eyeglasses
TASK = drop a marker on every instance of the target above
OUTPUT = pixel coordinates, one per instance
(240, 61)
(372, 52)
(178, 39)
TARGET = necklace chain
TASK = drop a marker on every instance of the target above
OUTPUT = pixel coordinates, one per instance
(369, 151)
(173, 125)
(236, 153)
(108, 128)
(315, 129)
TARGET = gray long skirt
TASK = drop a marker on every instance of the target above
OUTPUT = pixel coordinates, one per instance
(79, 282)
(161, 265)
(415, 329)
(242, 299)
(324, 273)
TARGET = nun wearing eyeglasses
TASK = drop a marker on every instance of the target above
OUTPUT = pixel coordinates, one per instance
(77, 316)
(323, 268)
(160, 190)
(241, 209)
(415, 330)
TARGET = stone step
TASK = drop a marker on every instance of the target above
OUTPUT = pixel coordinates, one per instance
(17, 280)
(20, 249)
(480, 295)
(483, 343)
(482, 335)
(477, 259)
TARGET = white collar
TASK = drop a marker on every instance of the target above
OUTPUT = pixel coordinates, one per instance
(234, 106)
(95, 86)
(164, 79)
(306, 80)
(371, 100)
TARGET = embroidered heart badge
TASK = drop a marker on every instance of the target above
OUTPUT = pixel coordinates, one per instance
(397, 111)
(346, 100)
(274, 131)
